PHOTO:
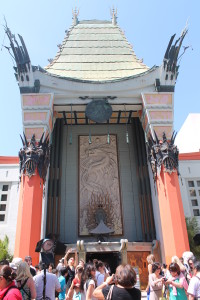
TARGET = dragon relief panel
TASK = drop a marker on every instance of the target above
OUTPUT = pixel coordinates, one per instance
(99, 190)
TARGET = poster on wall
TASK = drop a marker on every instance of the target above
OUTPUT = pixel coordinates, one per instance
(99, 184)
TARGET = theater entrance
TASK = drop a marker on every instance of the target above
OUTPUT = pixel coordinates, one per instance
(111, 259)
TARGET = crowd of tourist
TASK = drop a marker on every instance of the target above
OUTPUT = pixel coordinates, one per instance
(76, 280)
(181, 281)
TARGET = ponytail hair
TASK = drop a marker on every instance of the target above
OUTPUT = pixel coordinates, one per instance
(7, 273)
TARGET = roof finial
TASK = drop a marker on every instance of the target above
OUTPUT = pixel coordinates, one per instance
(113, 13)
(75, 14)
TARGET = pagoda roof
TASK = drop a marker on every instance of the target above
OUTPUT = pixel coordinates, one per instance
(95, 51)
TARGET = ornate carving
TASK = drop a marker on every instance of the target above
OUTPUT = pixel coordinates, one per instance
(34, 155)
(99, 184)
(100, 208)
(170, 60)
(23, 68)
(163, 153)
(20, 52)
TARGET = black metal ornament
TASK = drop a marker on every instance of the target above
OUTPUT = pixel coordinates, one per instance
(163, 152)
(98, 111)
(34, 155)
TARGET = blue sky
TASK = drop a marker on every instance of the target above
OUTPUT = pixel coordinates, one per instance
(148, 26)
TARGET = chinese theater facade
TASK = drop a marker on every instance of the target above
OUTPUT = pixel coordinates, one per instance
(99, 168)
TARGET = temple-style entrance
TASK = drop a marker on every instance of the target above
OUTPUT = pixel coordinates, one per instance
(99, 104)
(99, 180)
(110, 259)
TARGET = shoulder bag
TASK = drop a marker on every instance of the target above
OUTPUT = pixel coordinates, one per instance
(109, 296)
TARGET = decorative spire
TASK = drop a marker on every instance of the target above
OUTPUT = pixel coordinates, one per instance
(75, 14)
(172, 58)
(113, 13)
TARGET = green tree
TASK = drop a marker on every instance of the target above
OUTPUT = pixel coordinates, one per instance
(4, 251)
(192, 230)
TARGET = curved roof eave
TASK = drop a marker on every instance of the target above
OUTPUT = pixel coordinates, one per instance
(104, 81)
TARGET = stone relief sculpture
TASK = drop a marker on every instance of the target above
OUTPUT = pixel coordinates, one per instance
(99, 184)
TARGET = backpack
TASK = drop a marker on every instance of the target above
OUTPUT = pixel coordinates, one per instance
(22, 291)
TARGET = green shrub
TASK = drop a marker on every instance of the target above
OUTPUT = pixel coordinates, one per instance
(192, 230)
(4, 251)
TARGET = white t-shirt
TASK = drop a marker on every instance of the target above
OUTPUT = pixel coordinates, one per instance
(85, 287)
(52, 284)
(194, 287)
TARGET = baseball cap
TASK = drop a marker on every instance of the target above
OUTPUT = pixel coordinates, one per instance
(16, 261)
(12, 266)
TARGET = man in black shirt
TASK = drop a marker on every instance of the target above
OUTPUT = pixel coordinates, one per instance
(28, 259)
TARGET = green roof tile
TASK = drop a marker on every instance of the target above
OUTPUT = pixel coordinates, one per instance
(96, 51)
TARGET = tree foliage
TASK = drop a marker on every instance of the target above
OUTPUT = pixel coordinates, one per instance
(192, 229)
(4, 250)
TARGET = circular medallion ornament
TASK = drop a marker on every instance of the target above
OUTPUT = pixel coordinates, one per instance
(98, 111)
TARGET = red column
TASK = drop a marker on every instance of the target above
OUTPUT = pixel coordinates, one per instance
(28, 230)
(172, 217)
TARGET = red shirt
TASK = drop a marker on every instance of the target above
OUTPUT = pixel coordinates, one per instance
(12, 294)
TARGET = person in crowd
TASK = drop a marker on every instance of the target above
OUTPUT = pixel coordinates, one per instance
(60, 265)
(100, 272)
(81, 263)
(150, 261)
(155, 282)
(77, 279)
(51, 267)
(88, 281)
(165, 271)
(63, 273)
(28, 259)
(176, 260)
(194, 285)
(181, 260)
(16, 261)
(8, 289)
(37, 269)
(191, 264)
(186, 256)
(52, 284)
(122, 285)
(70, 265)
(13, 267)
(25, 281)
(190, 269)
(77, 291)
(55, 271)
(177, 283)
